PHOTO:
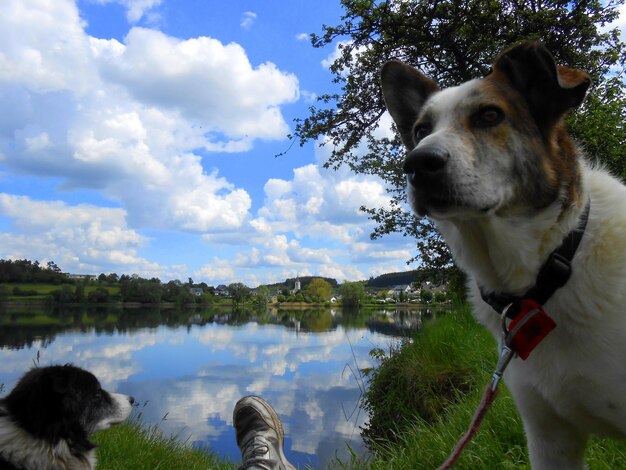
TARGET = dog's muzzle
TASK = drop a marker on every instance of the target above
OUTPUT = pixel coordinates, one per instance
(428, 184)
(422, 164)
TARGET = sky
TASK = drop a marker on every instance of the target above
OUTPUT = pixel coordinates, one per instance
(140, 137)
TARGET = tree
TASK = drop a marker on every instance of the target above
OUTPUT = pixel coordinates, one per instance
(136, 289)
(440, 296)
(52, 266)
(352, 293)
(171, 291)
(320, 288)
(206, 298)
(426, 296)
(64, 295)
(4, 293)
(238, 292)
(99, 295)
(262, 296)
(453, 41)
(79, 293)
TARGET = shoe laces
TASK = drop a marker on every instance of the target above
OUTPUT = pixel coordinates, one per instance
(255, 455)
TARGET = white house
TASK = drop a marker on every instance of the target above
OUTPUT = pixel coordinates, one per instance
(398, 290)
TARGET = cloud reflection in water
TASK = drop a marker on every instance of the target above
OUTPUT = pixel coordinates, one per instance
(193, 375)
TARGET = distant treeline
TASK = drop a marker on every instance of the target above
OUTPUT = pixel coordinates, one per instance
(153, 291)
(393, 279)
(23, 270)
(436, 276)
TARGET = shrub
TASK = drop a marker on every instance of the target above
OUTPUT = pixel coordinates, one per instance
(64, 294)
(23, 292)
(4, 293)
(99, 295)
(426, 296)
(420, 379)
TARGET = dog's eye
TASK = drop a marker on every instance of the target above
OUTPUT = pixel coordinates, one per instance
(421, 131)
(488, 117)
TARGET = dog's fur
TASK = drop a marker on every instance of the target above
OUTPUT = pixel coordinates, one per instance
(490, 161)
(46, 420)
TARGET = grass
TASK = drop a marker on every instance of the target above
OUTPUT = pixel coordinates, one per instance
(133, 446)
(441, 375)
(455, 346)
(41, 291)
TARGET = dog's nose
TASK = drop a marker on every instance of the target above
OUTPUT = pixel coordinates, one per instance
(131, 400)
(425, 161)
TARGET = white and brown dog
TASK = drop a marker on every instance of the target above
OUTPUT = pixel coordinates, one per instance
(490, 161)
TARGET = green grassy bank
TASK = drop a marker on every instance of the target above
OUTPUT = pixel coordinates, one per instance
(421, 399)
(132, 446)
(441, 376)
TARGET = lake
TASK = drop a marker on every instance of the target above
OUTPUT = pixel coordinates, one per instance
(188, 367)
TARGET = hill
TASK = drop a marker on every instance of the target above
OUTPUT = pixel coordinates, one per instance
(304, 281)
(394, 279)
(436, 276)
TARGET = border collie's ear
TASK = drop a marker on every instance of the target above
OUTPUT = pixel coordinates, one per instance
(405, 90)
(549, 90)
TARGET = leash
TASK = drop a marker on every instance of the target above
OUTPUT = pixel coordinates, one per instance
(529, 324)
(489, 395)
(487, 400)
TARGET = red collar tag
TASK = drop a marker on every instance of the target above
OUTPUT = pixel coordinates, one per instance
(528, 328)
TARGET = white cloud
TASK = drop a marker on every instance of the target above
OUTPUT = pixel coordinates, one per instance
(125, 118)
(206, 81)
(247, 19)
(335, 54)
(135, 9)
(219, 271)
(43, 47)
(311, 225)
(303, 36)
(321, 196)
(82, 238)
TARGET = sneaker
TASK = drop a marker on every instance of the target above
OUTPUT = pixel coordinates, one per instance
(260, 435)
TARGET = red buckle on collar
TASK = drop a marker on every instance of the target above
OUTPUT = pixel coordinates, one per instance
(528, 328)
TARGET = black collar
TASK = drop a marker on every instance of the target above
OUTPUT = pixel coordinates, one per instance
(554, 273)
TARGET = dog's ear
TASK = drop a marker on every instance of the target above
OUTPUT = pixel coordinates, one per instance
(35, 406)
(404, 91)
(549, 90)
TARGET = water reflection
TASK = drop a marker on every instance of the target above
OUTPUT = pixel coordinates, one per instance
(189, 367)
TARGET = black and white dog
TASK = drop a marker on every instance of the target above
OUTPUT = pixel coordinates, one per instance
(46, 420)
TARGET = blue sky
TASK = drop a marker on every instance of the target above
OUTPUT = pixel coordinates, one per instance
(139, 136)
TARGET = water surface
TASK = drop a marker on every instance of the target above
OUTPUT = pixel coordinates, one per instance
(187, 368)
